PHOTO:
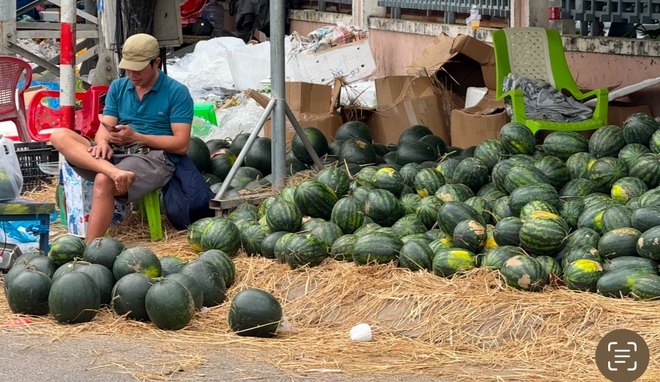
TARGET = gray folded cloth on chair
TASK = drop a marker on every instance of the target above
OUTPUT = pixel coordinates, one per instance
(542, 101)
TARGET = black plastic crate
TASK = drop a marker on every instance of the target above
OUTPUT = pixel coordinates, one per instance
(30, 156)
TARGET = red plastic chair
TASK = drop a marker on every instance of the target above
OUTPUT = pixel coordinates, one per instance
(12, 108)
(43, 119)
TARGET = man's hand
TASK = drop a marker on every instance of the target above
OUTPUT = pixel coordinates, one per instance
(124, 135)
(101, 150)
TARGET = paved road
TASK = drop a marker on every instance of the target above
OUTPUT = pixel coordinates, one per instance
(122, 359)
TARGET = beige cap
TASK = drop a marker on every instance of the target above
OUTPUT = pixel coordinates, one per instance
(138, 50)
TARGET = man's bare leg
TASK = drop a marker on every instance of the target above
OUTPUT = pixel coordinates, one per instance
(74, 148)
(103, 207)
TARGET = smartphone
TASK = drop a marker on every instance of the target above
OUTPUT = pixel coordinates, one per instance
(110, 127)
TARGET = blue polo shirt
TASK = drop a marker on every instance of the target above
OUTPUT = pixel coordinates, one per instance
(167, 102)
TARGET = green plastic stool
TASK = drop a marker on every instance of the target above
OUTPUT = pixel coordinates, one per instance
(149, 206)
(206, 111)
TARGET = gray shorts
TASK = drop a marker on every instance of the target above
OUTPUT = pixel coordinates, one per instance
(152, 171)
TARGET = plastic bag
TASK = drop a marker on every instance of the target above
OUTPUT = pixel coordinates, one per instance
(11, 178)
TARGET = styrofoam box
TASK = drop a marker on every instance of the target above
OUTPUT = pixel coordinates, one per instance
(53, 16)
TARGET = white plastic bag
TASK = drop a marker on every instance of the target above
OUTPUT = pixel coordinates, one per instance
(11, 178)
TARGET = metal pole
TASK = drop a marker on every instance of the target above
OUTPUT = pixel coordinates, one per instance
(68, 64)
(278, 155)
(7, 25)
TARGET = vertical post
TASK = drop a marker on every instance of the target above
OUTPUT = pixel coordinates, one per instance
(7, 24)
(68, 63)
(278, 153)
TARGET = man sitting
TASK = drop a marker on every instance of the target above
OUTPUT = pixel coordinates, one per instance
(145, 129)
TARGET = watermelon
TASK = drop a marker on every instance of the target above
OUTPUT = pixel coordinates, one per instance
(221, 234)
(128, 296)
(409, 171)
(328, 232)
(446, 167)
(500, 208)
(169, 305)
(382, 207)
(619, 282)
(647, 169)
(536, 205)
(306, 250)
(254, 313)
(570, 211)
(650, 198)
(506, 231)
(66, 248)
(352, 129)
(555, 170)
(376, 247)
(73, 298)
(348, 214)
(259, 155)
(517, 138)
(523, 175)
(470, 235)
(413, 134)
(618, 242)
(283, 216)
(251, 238)
(489, 152)
(645, 218)
(357, 150)
(592, 217)
(471, 172)
(451, 213)
(281, 247)
(630, 152)
(199, 154)
(494, 259)
(408, 225)
(343, 248)
(389, 179)
(482, 206)
(647, 287)
(543, 233)
(171, 264)
(366, 229)
(563, 144)
(584, 252)
(616, 216)
(437, 143)
(524, 273)
(525, 194)
(315, 199)
(336, 179)
(427, 181)
(583, 275)
(550, 265)
(317, 140)
(137, 260)
(427, 212)
(579, 164)
(416, 255)
(639, 128)
(626, 188)
(210, 280)
(605, 171)
(633, 262)
(648, 244)
(606, 141)
(410, 203)
(450, 261)
(417, 152)
(29, 291)
(221, 163)
(454, 192)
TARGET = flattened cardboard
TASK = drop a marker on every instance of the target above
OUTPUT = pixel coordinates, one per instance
(313, 105)
(404, 101)
(458, 63)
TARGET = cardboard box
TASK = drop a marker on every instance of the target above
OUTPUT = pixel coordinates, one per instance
(352, 62)
(475, 124)
(404, 101)
(458, 63)
(312, 105)
(618, 111)
(79, 194)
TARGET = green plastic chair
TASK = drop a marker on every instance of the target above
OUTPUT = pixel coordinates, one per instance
(538, 53)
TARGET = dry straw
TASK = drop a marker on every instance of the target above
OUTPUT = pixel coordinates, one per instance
(469, 328)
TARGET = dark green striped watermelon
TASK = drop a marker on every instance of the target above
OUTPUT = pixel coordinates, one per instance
(251, 238)
(579, 164)
(427, 181)
(583, 275)
(619, 282)
(336, 179)
(647, 169)
(563, 144)
(221, 234)
(446, 167)
(626, 188)
(489, 152)
(389, 179)
(368, 227)
(506, 231)
(471, 172)
(618, 242)
(382, 207)
(616, 216)
(494, 259)
(315, 199)
(633, 262)
(409, 225)
(470, 235)
(523, 175)
(592, 217)
(570, 211)
(66, 248)
(606, 141)
(450, 261)
(650, 198)
(647, 287)
(343, 248)
(328, 232)
(268, 244)
(452, 213)
(585, 252)
(376, 247)
(645, 218)
(283, 216)
(517, 138)
(555, 170)
(416, 255)
(630, 152)
(409, 171)
(305, 250)
(427, 212)
(281, 247)
(648, 244)
(525, 194)
(524, 273)
(543, 233)
(536, 205)
(550, 265)
(410, 203)
(638, 128)
(348, 214)
(482, 206)
(605, 171)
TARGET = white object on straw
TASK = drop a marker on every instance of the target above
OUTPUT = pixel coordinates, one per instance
(361, 333)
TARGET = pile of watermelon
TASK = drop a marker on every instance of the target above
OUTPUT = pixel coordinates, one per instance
(580, 212)
(75, 280)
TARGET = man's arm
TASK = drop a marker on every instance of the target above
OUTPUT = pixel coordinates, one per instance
(177, 143)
